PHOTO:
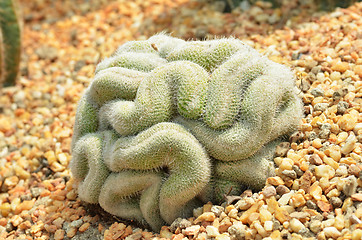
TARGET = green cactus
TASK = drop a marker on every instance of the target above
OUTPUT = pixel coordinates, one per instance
(167, 124)
(10, 46)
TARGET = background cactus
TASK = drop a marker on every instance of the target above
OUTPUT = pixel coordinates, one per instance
(10, 46)
(167, 123)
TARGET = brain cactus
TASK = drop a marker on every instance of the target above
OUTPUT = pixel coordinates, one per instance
(168, 124)
(9, 42)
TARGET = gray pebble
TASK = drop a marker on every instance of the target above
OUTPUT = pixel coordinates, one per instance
(310, 204)
(340, 93)
(315, 160)
(179, 223)
(342, 106)
(317, 92)
(282, 149)
(297, 170)
(350, 186)
(316, 69)
(336, 202)
(217, 210)
(324, 134)
(290, 173)
(321, 107)
(76, 223)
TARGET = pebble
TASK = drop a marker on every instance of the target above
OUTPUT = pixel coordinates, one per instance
(350, 186)
(349, 145)
(212, 231)
(332, 232)
(296, 225)
(347, 122)
(269, 191)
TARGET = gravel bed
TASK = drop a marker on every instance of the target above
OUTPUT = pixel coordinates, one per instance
(317, 190)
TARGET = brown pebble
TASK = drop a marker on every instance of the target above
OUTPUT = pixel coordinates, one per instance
(315, 160)
(281, 189)
(305, 181)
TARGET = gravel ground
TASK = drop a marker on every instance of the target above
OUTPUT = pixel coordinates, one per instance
(317, 190)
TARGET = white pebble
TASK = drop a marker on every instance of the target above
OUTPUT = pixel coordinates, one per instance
(212, 231)
(332, 232)
(296, 225)
(350, 144)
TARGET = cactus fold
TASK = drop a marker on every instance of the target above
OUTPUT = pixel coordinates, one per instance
(10, 46)
(167, 124)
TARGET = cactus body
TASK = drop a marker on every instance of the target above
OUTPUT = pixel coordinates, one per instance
(10, 46)
(166, 124)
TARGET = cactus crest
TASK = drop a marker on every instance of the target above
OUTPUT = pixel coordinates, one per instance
(167, 124)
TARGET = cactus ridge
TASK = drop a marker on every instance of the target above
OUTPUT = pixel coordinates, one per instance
(176, 122)
(10, 42)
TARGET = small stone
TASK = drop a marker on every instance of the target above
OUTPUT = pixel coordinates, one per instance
(349, 145)
(212, 231)
(354, 170)
(290, 173)
(224, 236)
(350, 186)
(275, 181)
(357, 233)
(315, 160)
(296, 225)
(233, 213)
(335, 76)
(283, 200)
(320, 107)
(217, 210)
(270, 190)
(316, 191)
(324, 134)
(305, 181)
(325, 171)
(282, 215)
(237, 230)
(336, 202)
(268, 226)
(245, 203)
(282, 149)
(179, 223)
(332, 232)
(59, 234)
(297, 200)
(342, 106)
(71, 232)
(340, 66)
(47, 52)
(311, 205)
(76, 223)
(325, 207)
(206, 216)
(315, 226)
(192, 230)
(282, 189)
(84, 227)
(317, 92)
(347, 122)
(357, 197)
